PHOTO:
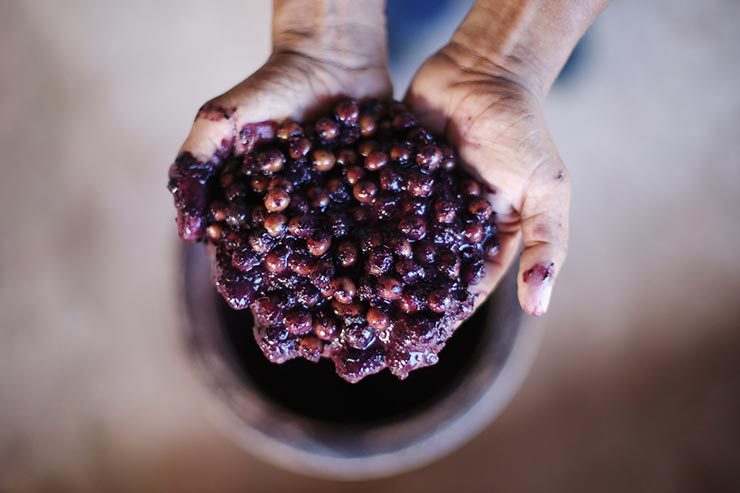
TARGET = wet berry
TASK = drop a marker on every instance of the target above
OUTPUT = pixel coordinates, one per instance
(389, 288)
(365, 191)
(376, 160)
(298, 321)
(480, 208)
(414, 228)
(277, 200)
(346, 254)
(271, 161)
(323, 160)
(275, 224)
(289, 130)
(214, 231)
(344, 289)
(420, 185)
(354, 174)
(299, 148)
(318, 243)
(368, 125)
(327, 129)
(325, 326)
(347, 112)
(377, 318)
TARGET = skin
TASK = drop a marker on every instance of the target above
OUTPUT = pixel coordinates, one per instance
(483, 92)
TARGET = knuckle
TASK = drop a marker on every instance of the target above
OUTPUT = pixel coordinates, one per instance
(215, 110)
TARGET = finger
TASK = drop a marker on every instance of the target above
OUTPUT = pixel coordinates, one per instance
(212, 138)
(544, 235)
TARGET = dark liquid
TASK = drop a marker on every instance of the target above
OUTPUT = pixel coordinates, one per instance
(314, 390)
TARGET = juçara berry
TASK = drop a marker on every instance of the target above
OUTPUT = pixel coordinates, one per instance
(355, 237)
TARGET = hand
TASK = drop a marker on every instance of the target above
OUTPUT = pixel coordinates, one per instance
(311, 66)
(497, 125)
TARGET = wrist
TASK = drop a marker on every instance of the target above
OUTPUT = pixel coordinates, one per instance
(346, 33)
(527, 41)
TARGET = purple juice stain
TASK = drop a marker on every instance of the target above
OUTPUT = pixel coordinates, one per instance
(538, 274)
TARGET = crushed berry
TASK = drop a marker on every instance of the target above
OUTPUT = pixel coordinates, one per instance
(355, 237)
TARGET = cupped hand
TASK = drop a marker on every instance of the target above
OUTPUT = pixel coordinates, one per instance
(290, 85)
(496, 122)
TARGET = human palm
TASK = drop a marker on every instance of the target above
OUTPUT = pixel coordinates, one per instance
(498, 127)
(290, 85)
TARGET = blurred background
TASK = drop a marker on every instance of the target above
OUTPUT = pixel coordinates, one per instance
(637, 383)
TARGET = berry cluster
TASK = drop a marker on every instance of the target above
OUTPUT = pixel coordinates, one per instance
(355, 238)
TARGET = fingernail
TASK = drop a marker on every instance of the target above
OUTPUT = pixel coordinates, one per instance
(536, 288)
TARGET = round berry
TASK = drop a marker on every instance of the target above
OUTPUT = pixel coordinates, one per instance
(277, 200)
(271, 161)
(346, 157)
(298, 322)
(420, 185)
(346, 254)
(327, 129)
(325, 327)
(480, 208)
(365, 191)
(439, 301)
(368, 125)
(377, 318)
(379, 261)
(323, 160)
(429, 157)
(299, 148)
(318, 243)
(376, 160)
(470, 188)
(390, 180)
(245, 260)
(354, 174)
(413, 228)
(347, 112)
(344, 289)
(276, 262)
(389, 288)
(288, 130)
(359, 336)
(275, 224)
(214, 231)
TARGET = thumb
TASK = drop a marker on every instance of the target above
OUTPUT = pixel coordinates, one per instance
(215, 134)
(544, 227)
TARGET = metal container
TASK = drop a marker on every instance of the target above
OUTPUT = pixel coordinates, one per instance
(301, 416)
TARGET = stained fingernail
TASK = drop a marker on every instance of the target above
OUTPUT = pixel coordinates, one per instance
(537, 288)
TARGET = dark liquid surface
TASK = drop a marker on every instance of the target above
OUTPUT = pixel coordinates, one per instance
(315, 391)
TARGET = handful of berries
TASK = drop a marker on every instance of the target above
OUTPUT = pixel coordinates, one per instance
(355, 238)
